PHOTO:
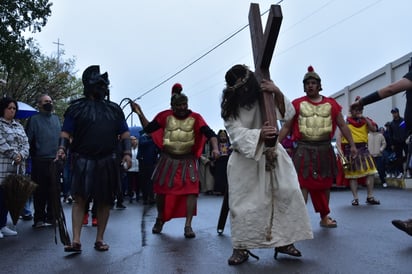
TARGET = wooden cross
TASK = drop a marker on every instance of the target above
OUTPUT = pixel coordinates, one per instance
(263, 45)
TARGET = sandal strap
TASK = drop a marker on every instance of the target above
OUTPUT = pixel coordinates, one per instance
(289, 249)
(251, 254)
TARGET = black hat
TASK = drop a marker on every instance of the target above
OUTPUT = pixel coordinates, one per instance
(91, 76)
(395, 110)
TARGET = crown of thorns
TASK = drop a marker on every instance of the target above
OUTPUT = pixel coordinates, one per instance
(240, 81)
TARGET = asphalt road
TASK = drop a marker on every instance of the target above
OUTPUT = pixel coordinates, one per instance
(364, 242)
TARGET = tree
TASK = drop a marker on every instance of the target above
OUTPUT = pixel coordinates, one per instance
(50, 76)
(17, 17)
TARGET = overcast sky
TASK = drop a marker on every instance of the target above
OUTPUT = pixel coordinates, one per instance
(142, 43)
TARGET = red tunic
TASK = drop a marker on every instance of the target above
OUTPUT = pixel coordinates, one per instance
(184, 182)
(315, 182)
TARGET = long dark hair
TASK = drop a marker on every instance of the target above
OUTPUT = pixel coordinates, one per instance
(5, 102)
(227, 136)
(242, 90)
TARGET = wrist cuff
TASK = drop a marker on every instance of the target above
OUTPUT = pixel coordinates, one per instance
(369, 99)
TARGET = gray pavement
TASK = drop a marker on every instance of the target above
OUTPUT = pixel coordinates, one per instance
(364, 242)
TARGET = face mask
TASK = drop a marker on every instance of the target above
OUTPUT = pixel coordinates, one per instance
(100, 92)
(48, 107)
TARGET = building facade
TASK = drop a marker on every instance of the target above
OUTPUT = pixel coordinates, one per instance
(380, 111)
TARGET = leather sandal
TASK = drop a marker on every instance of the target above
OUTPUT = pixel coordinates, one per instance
(189, 232)
(101, 246)
(240, 256)
(73, 248)
(330, 223)
(287, 249)
(355, 202)
(372, 201)
(158, 226)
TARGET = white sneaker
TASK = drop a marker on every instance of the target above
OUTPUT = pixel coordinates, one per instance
(8, 232)
(400, 176)
(385, 185)
(1, 235)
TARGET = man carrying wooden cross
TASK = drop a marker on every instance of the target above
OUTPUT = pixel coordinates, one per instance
(267, 209)
(266, 205)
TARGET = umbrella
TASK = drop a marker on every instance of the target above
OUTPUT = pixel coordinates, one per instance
(56, 169)
(25, 110)
(17, 189)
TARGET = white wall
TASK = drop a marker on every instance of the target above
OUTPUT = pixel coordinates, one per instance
(380, 111)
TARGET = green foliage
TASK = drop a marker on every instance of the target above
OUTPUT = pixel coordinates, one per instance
(17, 17)
(26, 71)
(47, 75)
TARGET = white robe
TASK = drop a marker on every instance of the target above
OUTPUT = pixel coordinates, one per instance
(267, 208)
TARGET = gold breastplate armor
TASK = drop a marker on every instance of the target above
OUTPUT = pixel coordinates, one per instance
(179, 136)
(315, 121)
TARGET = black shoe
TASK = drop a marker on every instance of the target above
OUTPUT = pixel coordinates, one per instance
(405, 226)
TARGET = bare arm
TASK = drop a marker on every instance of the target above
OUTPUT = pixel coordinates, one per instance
(126, 154)
(215, 148)
(138, 110)
(345, 131)
(285, 130)
(61, 152)
(370, 124)
(394, 88)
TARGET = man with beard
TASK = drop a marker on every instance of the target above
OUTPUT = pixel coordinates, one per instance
(43, 131)
(180, 134)
(95, 125)
(267, 209)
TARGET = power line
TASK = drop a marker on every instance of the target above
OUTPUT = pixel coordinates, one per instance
(191, 63)
(247, 25)
(199, 58)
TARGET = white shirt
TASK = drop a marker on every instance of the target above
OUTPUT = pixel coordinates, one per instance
(135, 162)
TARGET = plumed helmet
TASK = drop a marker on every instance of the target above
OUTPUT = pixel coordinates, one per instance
(177, 96)
(177, 88)
(312, 74)
(91, 76)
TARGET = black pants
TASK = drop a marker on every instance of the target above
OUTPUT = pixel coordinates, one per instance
(42, 195)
